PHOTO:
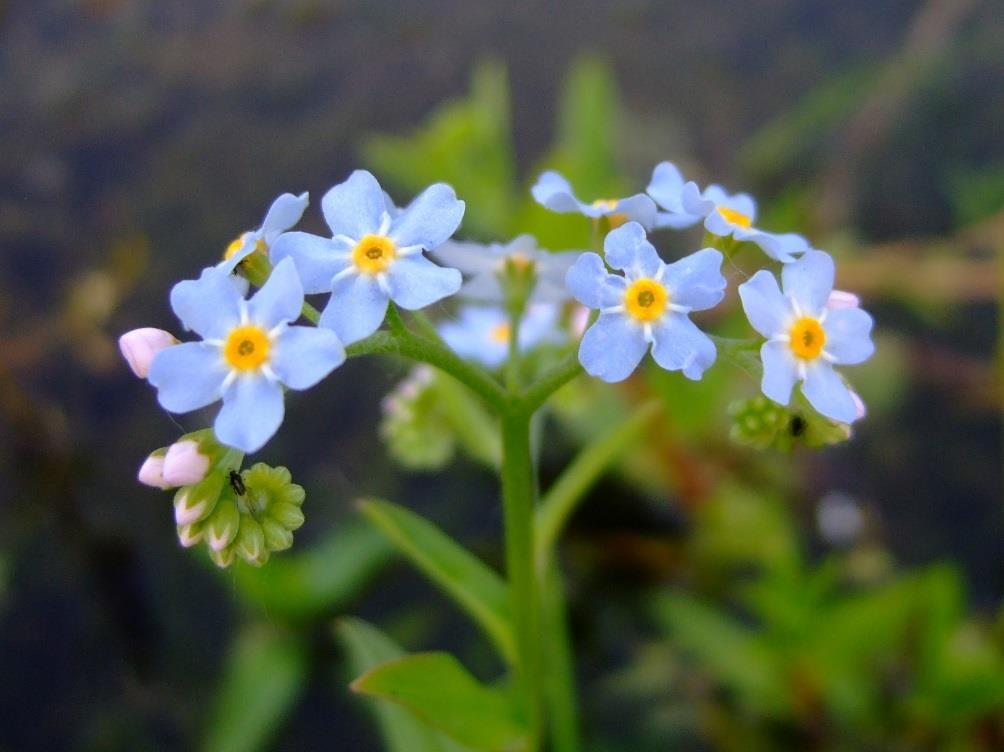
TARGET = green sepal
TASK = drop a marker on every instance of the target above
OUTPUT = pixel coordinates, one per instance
(224, 524)
(196, 502)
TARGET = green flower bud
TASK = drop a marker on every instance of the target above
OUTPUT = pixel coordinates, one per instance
(223, 525)
(764, 424)
(417, 432)
(196, 502)
(189, 535)
(250, 542)
(277, 536)
(222, 559)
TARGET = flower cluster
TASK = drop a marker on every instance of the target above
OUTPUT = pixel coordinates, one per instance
(519, 298)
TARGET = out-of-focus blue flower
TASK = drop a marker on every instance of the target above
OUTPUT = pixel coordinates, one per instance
(724, 214)
(482, 333)
(247, 354)
(647, 306)
(375, 254)
(485, 267)
(806, 337)
(555, 192)
(284, 212)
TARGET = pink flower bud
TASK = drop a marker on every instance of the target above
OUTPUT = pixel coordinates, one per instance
(579, 320)
(859, 403)
(184, 464)
(840, 299)
(151, 472)
(140, 345)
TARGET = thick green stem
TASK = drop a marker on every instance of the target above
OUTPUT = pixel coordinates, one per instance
(537, 394)
(518, 495)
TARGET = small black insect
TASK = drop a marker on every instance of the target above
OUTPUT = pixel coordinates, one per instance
(797, 426)
(237, 483)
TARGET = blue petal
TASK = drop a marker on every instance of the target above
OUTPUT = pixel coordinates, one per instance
(809, 281)
(781, 247)
(666, 187)
(469, 258)
(828, 393)
(540, 324)
(356, 308)
(251, 414)
(356, 207)
(612, 347)
(248, 245)
(693, 200)
(675, 221)
(284, 212)
(627, 248)
(554, 192)
(317, 259)
(304, 355)
(767, 309)
(679, 345)
(696, 280)
(780, 371)
(209, 306)
(416, 282)
(471, 335)
(280, 298)
(638, 208)
(587, 280)
(430, 219)
(187, 376)
(848, 335)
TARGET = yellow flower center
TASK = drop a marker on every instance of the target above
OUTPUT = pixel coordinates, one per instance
(500, 333)
(373, 254)
(247, 347)
(237, 243)
(734, 217)
(615, 220)
(520, 262)
(646, 300)
(807, 338)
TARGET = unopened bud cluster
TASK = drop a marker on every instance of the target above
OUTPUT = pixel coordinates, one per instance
(764, 424)
(413, 426)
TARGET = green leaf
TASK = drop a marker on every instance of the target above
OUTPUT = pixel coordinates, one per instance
(367, 647)
(266, 672)
(318, 581)
(439, 690)
(465, 578)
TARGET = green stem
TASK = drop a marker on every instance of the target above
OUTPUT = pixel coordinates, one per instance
(405, 343)
(559, 673)
(513, 363)
(311, 314)
(550, 382)
(518, 495)
(561, 499)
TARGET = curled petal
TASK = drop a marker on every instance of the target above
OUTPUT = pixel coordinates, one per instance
(284, 212)
(666, 187)
(555, 193)
(638, 208)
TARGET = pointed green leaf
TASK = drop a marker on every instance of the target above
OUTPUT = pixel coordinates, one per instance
(464, 577)
(439, 690)
(367, 647)
(265, 674)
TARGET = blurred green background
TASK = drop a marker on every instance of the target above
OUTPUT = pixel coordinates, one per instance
(721, 596)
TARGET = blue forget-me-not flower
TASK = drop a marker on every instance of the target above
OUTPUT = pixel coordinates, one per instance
(284, 212)
(806, 337)
(648, 306)
(724, 214)
(483, 333)
(555, 193)
(375, 254)
(247, 354)
(485, 266)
